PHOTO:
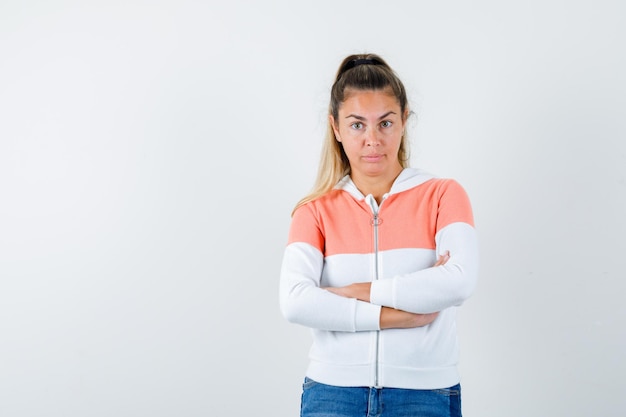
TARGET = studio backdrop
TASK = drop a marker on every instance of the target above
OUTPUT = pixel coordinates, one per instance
(151, 153)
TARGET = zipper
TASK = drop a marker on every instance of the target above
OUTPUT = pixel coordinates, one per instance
(376, 221)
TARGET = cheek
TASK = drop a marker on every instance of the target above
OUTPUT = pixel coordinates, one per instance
(352, 148)
(350, 137)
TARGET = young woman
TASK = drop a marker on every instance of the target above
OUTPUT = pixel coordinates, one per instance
(378, 258)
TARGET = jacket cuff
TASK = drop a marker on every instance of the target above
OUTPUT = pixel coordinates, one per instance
(367, 316)
(381, 293)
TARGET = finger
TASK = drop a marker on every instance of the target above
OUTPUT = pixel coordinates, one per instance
(443, 259)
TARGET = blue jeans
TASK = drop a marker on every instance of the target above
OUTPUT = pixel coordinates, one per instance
(321, 400)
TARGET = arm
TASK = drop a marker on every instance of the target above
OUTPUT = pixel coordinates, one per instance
(390, 318)
(439, 287)
(302, 301)
(443, 285)
(428, 290)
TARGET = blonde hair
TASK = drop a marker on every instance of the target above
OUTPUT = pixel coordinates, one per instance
(357, 72)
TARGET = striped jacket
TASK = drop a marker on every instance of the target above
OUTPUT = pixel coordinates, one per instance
(344, 237)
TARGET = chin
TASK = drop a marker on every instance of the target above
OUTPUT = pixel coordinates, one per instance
(374, 171)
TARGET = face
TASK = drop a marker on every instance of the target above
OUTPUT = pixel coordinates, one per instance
(370, 126)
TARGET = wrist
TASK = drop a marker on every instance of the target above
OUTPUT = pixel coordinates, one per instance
(363, 291)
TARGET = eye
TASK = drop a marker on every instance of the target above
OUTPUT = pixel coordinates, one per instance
(356, 125)
(386, 123)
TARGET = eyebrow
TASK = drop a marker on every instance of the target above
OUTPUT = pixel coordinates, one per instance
(363, 118)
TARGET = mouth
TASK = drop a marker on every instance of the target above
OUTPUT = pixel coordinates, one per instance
(373, 157)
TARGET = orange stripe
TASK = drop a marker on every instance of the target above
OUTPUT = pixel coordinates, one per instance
(337, 223)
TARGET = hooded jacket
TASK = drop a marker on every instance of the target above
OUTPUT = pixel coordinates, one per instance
(345, 237)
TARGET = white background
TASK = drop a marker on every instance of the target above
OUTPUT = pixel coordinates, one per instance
(151, 153)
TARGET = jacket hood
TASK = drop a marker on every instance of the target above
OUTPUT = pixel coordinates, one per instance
(408, 178)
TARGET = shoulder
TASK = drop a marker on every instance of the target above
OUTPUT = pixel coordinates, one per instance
(432, 186)
(333, 202)
(446, 196)
(454, 204)
(448, 185)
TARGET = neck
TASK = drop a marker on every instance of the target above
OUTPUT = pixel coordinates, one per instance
(376, 186)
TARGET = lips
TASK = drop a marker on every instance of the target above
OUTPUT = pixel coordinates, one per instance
(372, 157)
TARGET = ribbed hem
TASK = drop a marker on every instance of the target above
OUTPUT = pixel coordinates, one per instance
(389, 376)
(431, 378)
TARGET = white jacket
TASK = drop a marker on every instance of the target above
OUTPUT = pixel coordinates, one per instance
(344, 237)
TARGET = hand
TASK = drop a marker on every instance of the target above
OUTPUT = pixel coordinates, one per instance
(359, 290)
(442, 259)
(390, 318)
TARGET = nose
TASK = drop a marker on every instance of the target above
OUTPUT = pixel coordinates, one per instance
(372, 138)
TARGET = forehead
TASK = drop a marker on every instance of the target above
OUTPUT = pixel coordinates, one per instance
(369, 101)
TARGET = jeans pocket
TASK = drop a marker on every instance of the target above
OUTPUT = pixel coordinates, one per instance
(449, 392)
(453, 395)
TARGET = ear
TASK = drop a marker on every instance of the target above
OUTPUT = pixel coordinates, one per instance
(331, 120)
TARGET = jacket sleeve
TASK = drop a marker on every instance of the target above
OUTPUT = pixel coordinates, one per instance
(302, 301)
(437, 288)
